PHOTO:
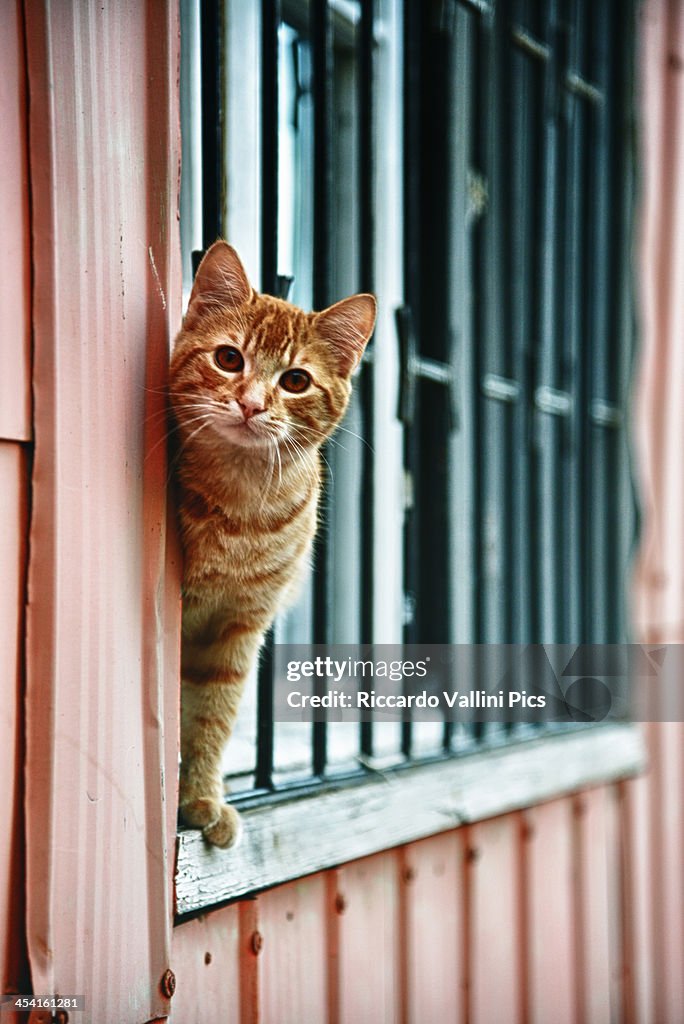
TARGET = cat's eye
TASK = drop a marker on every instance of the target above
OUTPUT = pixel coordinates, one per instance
(229, 358)
(295, 381)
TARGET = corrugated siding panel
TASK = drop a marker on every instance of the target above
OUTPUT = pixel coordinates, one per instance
(293, 923)
(659, 590)
(13, 527)
(15, 427)
(638, 900)
(433, 883)
(549, 887)
(654, 825)
(15, 297)
(205, 961)
(595, 889)
(369, 952)
(666, 825)
(495, 922)
(103, 588)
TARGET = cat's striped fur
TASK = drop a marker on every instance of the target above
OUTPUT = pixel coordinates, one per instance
(248, 478)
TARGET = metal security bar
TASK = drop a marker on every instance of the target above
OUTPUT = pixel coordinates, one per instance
(514, 335)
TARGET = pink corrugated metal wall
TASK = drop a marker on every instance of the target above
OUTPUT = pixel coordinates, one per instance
(570, 911)
(102, 682)
(15, 437)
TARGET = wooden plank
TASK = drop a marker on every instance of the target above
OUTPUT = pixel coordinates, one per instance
(368, 951)
(13, 533)
(205, 961)
(495, 919)
(15, 238)
(433, 897)
(361, 820)
(551, 958)
(294, 963)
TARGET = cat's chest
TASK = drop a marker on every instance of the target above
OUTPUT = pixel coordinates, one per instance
(225, 550)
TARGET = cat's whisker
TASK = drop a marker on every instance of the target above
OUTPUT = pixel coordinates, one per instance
(316, 443)
(172, 413)
(174, 429)
(296, 459)
(308, 455)
(305, 458)
(280, 465)
(334, 441)
(188, 439)
(268, 477)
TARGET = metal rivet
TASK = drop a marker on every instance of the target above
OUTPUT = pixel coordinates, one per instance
(409, 874)
(340, 903)
(472, 854)
(168, 983)
(257, 943)
(207, 958)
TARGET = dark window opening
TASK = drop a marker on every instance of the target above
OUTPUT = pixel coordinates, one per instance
(515, 334)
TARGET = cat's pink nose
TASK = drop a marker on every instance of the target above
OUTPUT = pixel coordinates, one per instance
(249, 408)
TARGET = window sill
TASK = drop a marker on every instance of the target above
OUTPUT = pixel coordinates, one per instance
(297, 837)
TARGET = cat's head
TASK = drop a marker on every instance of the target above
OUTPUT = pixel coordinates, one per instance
(251, 369)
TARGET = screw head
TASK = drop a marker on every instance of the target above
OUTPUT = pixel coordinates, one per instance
(168, 983)
(257, 943)
(340, 903)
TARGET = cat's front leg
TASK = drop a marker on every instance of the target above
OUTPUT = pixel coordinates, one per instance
(208, 711)
(214, 678)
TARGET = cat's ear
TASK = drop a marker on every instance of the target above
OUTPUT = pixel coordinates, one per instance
(348, 325)
(220, 282)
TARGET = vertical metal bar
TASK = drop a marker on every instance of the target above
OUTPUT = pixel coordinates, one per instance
(463, 569)
(573, 128)
(625, 158)
(521, 204)
(477, 197)
(212, 120)
(411, 175)
(599, 587)
(616, 348)
(495, 352)
(547, 428)
(263, 773)
(270, 23)
(366, 184)
(463, 564)
(320, 26)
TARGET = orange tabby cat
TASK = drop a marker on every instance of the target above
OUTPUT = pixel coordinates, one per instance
(256, 386)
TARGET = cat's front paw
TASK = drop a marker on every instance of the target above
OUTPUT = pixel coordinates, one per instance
(221, 824)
